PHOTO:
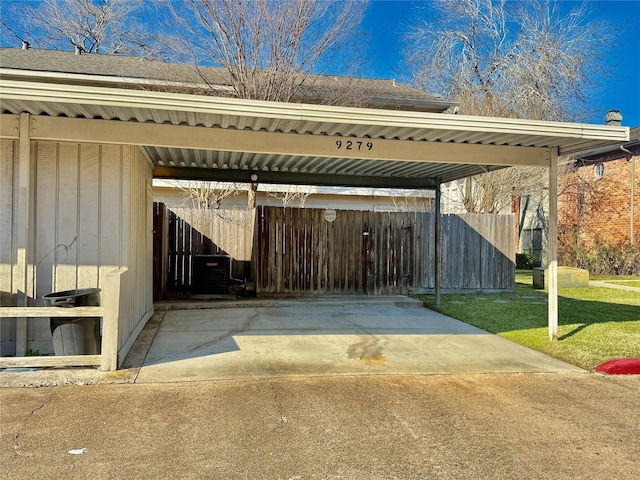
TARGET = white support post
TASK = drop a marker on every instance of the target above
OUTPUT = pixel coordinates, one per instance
(23, 229)
(437, 247)
(111, 319)
(553, 246)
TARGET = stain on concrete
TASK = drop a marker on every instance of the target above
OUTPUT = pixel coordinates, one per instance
(368, 349)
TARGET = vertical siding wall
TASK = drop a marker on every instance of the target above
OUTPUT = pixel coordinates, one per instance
(137, 289)
(92, 211)
(8, 167)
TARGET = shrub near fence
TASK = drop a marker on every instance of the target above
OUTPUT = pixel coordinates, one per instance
(526, 261)
(602, 258)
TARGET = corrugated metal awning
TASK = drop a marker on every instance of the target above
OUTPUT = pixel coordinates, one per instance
(218, 114)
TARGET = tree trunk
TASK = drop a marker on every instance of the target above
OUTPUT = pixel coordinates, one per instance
(251, 202)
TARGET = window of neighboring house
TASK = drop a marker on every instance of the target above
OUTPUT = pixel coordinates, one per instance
(598, 170)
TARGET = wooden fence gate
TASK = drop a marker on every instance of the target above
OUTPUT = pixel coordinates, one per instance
(355, 252)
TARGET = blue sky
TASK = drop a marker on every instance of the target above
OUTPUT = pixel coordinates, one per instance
(386, 22)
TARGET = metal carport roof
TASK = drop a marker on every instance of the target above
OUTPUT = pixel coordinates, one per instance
(299, 143)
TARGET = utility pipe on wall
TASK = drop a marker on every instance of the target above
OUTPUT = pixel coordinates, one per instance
(633, 195)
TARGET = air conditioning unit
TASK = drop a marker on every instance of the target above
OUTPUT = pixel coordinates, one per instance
(211, 274)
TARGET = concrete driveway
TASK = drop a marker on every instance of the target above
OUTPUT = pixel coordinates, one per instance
(322, 337)
(440, 427)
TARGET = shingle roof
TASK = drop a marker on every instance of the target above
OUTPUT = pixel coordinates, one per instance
(316, 88)
(90, 64)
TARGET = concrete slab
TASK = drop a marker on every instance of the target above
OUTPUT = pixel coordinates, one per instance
(568, 277)
(335, 337)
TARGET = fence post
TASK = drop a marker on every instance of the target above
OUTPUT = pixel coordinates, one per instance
(437, 249)
(110, 319)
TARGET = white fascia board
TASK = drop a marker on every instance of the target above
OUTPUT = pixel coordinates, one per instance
(167, 101)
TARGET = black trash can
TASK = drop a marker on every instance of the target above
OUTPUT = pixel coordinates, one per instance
(75, 335)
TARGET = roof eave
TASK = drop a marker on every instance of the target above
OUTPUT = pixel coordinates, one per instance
(581, 136)
(392, 103)
(65, 78)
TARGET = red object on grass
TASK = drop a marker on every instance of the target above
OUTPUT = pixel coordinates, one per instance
(620, 366)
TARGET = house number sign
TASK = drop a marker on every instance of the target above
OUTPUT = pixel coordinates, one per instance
(353, 145)
(330, 215)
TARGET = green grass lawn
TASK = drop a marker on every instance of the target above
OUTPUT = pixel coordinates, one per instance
(595, 324)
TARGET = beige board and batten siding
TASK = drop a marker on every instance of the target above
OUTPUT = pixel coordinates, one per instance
(8, 254)
(136, 303)
(91, 213)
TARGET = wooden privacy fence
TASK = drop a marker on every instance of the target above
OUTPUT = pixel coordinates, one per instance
(358, 252)
(182, 233)
(301, 251)
(380, 253)
(478, 252)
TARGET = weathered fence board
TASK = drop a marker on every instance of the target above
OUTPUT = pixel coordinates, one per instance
(297, 251)
(160, 251)
(182, 233)
(380, 253)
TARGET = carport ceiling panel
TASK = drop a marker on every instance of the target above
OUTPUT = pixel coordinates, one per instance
(219, 161)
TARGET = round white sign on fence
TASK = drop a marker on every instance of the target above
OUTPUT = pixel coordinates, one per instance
(330, 215)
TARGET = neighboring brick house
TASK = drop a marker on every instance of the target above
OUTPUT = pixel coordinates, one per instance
(599, 196)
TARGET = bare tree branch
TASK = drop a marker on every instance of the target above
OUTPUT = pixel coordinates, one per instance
(203, 195)
(510, 59)
(92, 26)
(533, 59)
(291, 194)
(269, 47)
